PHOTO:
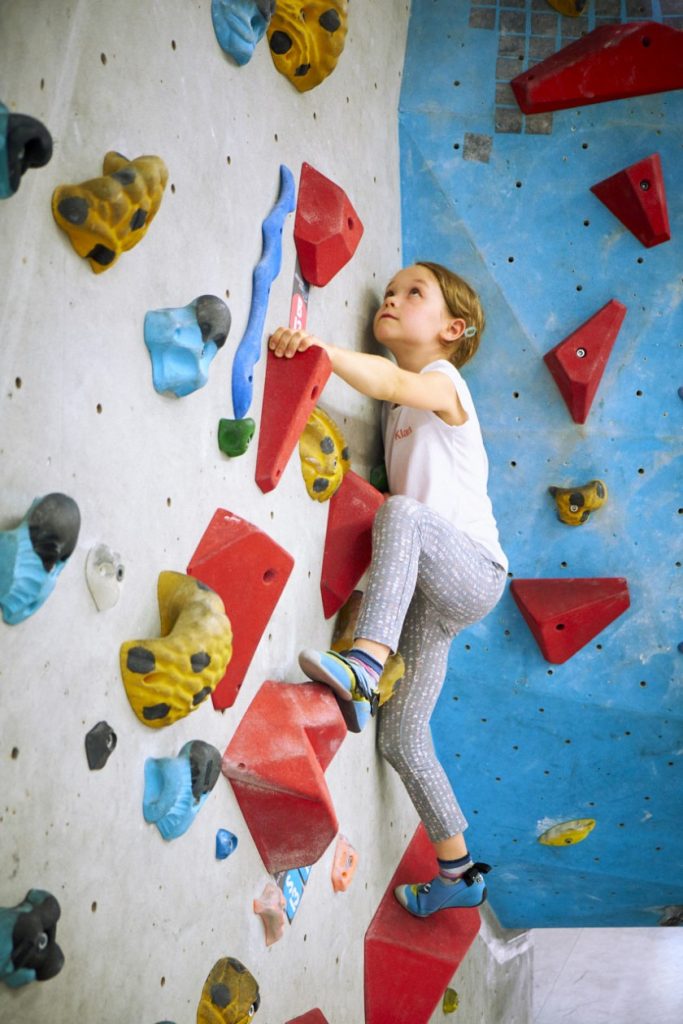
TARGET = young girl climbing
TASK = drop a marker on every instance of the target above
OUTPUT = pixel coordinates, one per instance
(437, 564)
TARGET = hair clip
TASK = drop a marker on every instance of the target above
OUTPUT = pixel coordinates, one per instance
(470, 331)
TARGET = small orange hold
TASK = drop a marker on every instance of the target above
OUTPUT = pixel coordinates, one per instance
(270, 906)
(344, 864)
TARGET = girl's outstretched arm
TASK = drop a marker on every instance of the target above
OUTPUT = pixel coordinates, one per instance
(378, 377)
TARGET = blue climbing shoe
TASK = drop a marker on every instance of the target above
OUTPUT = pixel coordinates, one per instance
(426, 899)
(357, 702)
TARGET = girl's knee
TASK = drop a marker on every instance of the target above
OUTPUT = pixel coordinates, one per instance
(397, 507)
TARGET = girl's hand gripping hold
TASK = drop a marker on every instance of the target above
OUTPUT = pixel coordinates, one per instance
(286, 342)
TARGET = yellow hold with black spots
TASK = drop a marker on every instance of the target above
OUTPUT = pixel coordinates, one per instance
(575, 504)
(106, 216)
(167, 678)
(324, 456)
(230, 994)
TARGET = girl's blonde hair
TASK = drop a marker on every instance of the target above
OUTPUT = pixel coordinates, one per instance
(463, 303)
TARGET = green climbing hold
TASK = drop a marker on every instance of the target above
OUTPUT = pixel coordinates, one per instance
(234, 436)
(379, 479)
(450, 1001)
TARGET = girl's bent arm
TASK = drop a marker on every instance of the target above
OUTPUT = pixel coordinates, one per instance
(378, 377)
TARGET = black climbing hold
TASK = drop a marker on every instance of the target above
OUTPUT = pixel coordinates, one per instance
(205, 767)
(155, 712)
(140, 660)
(200, 661)
(302, 70)
(320, 484)
(213, 317)
(102, 255)
(74, 209)
(327, 445)
(53, 528)
(201, 695)
(99, 744)
(280, 42)
(330, 21)
(138, 219)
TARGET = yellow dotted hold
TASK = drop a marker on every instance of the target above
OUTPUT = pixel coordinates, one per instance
(106, 216)
(230, 994)
(324, 456)
(167, 678)
(306, 38)
(575, 504)
(568, 833)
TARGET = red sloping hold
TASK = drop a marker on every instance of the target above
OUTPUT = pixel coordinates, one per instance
(348, 541)
(312, 1017)
(564, 615)
(292, 390)
(409, 961)
(275, 762)
(610, 63)
(636, 195)
(327, 229)
(249, 571)
(578, 363)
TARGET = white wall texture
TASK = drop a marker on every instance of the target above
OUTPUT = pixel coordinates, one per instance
(143, 921)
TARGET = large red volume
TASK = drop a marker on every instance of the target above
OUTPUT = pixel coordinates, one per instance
(327, 229)
(249, 571)
(578, 363)
(610, 63)
(348, 541)
(275, 763)
(636, 195)
(312, 1017)
(292, 389)
(409, 961)
(564, 615)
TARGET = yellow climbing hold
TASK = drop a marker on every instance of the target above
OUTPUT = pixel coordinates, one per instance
(572, 8)
(167, 678)
(230, 994)
(575, 504)
(306, 38)
(324, 456)
(106, 216)
(342, 639)
(450, 1001)
(567, 833)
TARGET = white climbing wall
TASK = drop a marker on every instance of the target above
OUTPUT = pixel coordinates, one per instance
(143, 921)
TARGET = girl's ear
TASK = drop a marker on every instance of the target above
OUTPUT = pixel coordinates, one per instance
(453, 330)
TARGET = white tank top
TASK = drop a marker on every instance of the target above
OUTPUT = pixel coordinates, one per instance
(444, 467)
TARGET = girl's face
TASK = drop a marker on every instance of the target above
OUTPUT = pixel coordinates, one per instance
(414, 314)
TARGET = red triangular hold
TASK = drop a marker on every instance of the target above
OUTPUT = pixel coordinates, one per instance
(578, 363)
(327, 229)
(564, 615)
(292, 390)
(248, 571)
(610, 63)
(348, 541)
(637, 197)
(409, 961)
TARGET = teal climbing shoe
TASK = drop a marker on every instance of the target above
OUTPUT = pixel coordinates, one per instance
(357, 702)
(426, 899)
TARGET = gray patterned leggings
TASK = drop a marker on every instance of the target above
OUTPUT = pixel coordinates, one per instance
(427, 582)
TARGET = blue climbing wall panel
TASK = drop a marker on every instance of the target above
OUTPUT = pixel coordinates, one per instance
(505, 200)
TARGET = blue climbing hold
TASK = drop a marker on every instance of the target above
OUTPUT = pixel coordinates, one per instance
(183, 342)
(177, 787)
(226, 843)
(265, 272)
(239, 25)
